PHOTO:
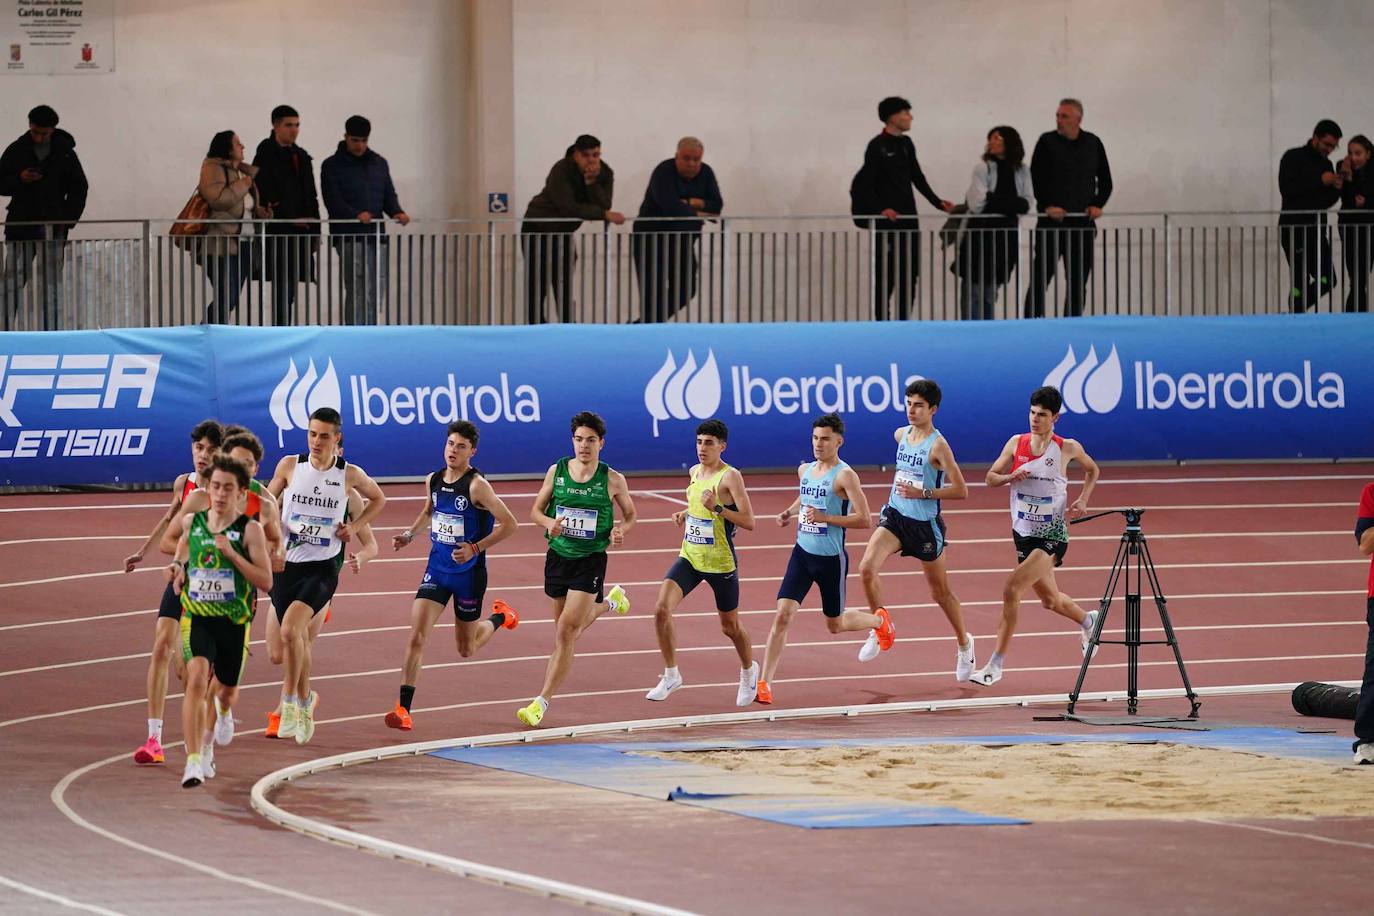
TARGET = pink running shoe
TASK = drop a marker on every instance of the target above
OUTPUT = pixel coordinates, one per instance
(149, 754)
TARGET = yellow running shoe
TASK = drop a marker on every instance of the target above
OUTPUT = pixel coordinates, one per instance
(622, 600)
(532, 714)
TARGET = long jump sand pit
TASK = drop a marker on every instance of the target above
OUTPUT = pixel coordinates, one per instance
(1067, 782)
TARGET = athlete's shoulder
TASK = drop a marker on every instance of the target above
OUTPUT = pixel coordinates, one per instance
(899, 433)
(1367, 501)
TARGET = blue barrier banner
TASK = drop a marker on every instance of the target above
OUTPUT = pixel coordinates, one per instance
(1260, 387)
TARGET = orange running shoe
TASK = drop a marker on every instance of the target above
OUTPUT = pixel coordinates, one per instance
(399, 718)
(887, 633)
(765, 694)
(512, 616)
(273, 722)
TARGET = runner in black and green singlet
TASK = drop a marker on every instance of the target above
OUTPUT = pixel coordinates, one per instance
(575, 507)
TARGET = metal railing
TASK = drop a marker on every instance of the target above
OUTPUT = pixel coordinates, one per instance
(111, 274)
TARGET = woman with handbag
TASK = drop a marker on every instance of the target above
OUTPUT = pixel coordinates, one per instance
(226, 180)
(988, 253)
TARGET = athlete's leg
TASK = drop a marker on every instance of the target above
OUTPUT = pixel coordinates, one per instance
(317, 623)
(165, 643)
(273, 639)
(1036, 566)
(937, 577)
(777, 636)
(193, 704)
(472, 635)
(1047, 589)
(295, 627)
(881, 545)
(577, 612)
(849, 621)
(423, 615)
(669, 597)
(739, 636)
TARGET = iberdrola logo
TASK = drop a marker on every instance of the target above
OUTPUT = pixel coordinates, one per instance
(297, 396)
(685, 391)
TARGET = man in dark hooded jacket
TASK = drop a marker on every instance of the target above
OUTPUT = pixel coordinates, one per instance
(42, 176)
(356, 185)
(286, 190)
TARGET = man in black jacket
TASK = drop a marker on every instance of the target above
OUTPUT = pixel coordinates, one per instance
(356, 182)
(43, 178)
(883, 186)
(286, 190)
(1308, 182)
(665, 250)
(1072, 182)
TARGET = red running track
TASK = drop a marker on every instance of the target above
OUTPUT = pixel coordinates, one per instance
(1257, 562)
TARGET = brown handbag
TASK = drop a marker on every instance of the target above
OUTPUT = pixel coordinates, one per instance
(190, 222)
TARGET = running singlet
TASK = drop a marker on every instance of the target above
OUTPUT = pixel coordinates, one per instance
(214, 585)
(313, 504)
(1038, 503)
(585, 509)
(819, 493)
(189, 487)
(708, 541)
(914, 469)
(455, 520)
(252, 502)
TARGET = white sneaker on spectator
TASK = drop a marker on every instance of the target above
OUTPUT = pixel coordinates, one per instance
(1365, 752)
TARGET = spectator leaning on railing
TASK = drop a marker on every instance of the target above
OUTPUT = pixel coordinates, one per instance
(286, 191)
(225, 183)
(42, 176)
(1357, 221)
(883, 185)
(356, 183)
(999, 191)
(579, 187)
(1308, 181)
(1071, 175)
(665, 251)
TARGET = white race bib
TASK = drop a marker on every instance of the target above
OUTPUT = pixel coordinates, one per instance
(909, 478)
(577, 523)
(700, 531)
(310, 529)
(211, 585)
(447, 529)
(1034, 508)
(812, 528)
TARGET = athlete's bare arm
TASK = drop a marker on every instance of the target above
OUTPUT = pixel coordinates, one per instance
(197, 501)
(943, 457)
(554, 526)
(847, 484)
(1367, 543)
(356, 478)
(177, 568)
(256, 567)
(271, 529)
(505, 524)
(367, 541)
(620, 495)
(997, 474)
(790, 512)
(135, 558)
(281, 477)
(1073, 450)
(421, 521)
(732, 491)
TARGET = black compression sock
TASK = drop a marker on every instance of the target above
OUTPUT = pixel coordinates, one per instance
(407, 696)
(497, 620)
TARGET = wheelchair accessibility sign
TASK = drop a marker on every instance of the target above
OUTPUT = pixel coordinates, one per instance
(498, 202)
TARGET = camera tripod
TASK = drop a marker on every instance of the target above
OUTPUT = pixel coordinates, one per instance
(1133, 565)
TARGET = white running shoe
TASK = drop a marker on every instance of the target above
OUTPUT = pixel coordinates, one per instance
(667, 683)
(207, 759)
(224, 726)
(1086, 633)
(870, 649)
(1365, 752)
(966, 662)
(290, 715)
(305, 724)
(990, 675)
(192, 776)
(748, 686)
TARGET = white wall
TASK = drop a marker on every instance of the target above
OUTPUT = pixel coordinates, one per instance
(186, 69)
(1194, 99)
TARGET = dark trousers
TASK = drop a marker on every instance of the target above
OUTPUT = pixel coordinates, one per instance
(668, 270)
(1068, 240)
(363, 270)
(1364, 710)
(1308, 250)
(226, 267)
(1357, 247)
(287, 266)
(897, 258)
(27, 260)
(549, 260)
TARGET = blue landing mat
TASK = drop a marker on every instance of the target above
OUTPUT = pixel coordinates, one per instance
(620, 767)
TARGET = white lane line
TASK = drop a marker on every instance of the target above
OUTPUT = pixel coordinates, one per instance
(276, 685)
(59, 800)
(524, 621)
(56, 898)
(664, 497)
(1107, 482)
(1290, 833)
(64, 540)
